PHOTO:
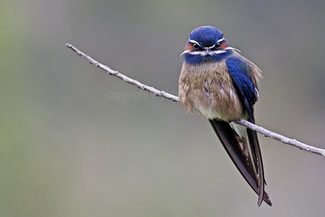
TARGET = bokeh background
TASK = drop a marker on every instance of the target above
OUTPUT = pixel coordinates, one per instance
(75, 142)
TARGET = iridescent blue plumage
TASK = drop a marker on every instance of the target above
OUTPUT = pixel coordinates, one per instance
(241, 75)
(206, 36)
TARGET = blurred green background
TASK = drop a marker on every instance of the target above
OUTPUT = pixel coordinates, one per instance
(75, 142)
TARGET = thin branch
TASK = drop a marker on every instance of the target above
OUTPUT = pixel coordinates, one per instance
(281, 138)
(261, 130)
(123, 77)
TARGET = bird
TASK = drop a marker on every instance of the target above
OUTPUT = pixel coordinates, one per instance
(221, 85)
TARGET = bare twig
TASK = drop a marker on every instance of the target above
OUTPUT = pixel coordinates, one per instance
(283, 139)
(261, 130)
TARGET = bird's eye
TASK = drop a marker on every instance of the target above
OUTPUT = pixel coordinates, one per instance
(216, 46)
(196, 46)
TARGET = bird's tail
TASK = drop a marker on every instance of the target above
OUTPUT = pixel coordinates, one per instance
(245, 162)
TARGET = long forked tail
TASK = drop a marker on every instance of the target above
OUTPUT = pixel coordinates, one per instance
(253, 174)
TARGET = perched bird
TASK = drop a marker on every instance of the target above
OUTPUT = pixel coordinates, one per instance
(221, 85)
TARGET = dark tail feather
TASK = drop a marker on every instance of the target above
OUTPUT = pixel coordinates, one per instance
(253, 141)
(228, 139)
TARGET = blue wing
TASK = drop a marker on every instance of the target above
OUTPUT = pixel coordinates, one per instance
(240, 72)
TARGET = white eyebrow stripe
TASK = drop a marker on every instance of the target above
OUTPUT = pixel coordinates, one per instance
(194, 42)
(212, 46)
(220, 40)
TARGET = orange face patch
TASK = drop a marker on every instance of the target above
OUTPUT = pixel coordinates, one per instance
(189, 46)
(223, 45)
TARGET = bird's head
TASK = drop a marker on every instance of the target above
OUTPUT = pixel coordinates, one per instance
(206, 44)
